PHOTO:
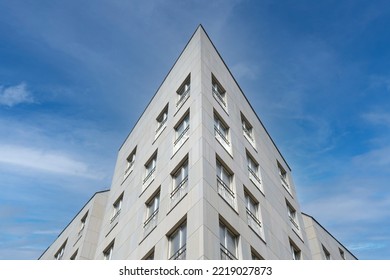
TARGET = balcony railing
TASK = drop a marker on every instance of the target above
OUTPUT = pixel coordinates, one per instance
(115, 217)
(284, 182)
(181, 136)
(149, 176)
(129, 168)
(253, 222)
(178, 193)
(294, 223)
(254, 175)
(179, 254)
(220, 135)
(150, 222)
(161, 125)
(226, 254)
(219, 96)
(248, 133)
(183, 97)
(224, 191)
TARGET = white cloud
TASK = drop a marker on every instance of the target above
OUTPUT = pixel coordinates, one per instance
(14, 95)
(377, 118)
(45, 161)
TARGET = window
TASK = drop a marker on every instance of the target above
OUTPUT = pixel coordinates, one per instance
(256, 256)
(152, 207)
(60, 253)
(224, 183)
(150, 168)
(326, 253)
(228, 244)
(183, 92)
(342, 255)
(292, 215)
(162, 121)
(149, 256)
(177, 243)
(219, 92)
(221, 132)
(181, 132)
(295, 252)
(117, 206)
(247, 130)
(180, 182)
(107, 253)
(283, 177)
(253, 169)
(252, 214)
(82, 223)
(130, 162)
(73, 257)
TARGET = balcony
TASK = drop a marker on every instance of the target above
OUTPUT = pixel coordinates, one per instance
(150, 222)
(179, 254)
(183, 97)
(226, 254)
(179, 192)
(253, 222)
(225, 192)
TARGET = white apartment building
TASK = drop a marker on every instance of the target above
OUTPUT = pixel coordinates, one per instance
(198, 178)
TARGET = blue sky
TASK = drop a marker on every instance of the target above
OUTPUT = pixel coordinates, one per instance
(76, 75)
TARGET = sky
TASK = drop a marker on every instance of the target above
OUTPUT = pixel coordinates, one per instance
(76, 75)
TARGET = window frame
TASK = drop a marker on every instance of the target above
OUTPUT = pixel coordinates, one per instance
(180, 252)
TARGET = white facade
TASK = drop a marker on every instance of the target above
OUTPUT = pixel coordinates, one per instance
(198, 177)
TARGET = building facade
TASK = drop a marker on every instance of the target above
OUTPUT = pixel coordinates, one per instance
(199, 178)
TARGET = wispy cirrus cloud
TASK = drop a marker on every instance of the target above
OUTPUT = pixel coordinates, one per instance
(43, 160)
(14, 95)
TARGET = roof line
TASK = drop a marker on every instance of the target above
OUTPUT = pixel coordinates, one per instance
(328, 233)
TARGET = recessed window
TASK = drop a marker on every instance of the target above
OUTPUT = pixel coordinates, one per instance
(177, 243)
(283, 177)
(150, 168)
(342, 254)
(221, 132)
(225, 183)
(326, 253)
(183, 92)
(219, 92)
(149, 255)
(82, 223)
(252, 214)
(107, 253)
(162, 121)
(74, 256)
(182, 132)
(60, 253)
(152, 207)
(256, 256)
(180, 182)
(253, 171)
(228, 243)
(292, 215)
(295, 251)
(130, 162)
(248, 130)
(117, 206)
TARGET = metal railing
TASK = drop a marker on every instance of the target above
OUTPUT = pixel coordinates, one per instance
(225, 191)
(253, 173)
(115, 216)
(131, 164)
(183, 97)
(179, 192)
(253, 221)
(161, 124)
(226, 254)
(247, 133)
(219, 133)
(293, 222)
(179, 254)
(149, 175)
(150, 222)
(284, 182)
(219, 96)
(181, 135)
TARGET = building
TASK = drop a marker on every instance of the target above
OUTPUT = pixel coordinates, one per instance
(198, 177)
